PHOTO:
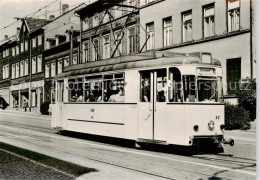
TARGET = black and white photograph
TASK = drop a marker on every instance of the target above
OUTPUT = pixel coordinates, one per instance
(129, 89)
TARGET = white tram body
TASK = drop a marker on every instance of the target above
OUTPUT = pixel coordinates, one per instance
(181, 116)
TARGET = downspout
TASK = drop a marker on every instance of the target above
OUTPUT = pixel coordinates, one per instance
(71, 46)
(80, 59)
(251, 42)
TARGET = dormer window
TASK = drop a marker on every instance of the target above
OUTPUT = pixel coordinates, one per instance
(51, 42)
(60, 39)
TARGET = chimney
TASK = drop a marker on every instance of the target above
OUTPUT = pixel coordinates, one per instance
(65, 8)
(18, 30)
(51, 17)
(6, 37)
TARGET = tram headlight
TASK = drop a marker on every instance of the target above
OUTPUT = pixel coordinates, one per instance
(196, 128)
(222, 127)
(211, 125)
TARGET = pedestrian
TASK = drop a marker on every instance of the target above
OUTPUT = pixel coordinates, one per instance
(25, 105)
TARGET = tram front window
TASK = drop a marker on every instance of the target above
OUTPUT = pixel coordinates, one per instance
(189, 84)
(207, 90)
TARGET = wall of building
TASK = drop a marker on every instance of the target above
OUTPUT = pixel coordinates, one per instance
(222, 45)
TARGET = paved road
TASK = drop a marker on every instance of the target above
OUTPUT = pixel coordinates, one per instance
(115, 161)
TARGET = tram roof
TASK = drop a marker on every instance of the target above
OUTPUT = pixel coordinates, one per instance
(141, 60)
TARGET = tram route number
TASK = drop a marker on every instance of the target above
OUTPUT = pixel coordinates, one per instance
(218, 117)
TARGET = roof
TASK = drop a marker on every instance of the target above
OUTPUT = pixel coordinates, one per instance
(97, 6)
(34, 23)
(10, 40)
(146, 59)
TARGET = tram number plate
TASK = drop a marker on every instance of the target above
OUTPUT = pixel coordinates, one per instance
(217, 117)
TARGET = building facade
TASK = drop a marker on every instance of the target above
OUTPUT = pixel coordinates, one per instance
(26, 62)
(61, 47)
(222, 27)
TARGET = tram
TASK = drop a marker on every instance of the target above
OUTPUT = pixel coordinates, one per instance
(161, 97)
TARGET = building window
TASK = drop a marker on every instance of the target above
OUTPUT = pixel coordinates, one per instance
(6, 71)
(39, 40)
(17, 50)
(26, 67)
(75, 59)
(95, 56)
(118, 43)
(22, 68)
(52, 43)
(187, 26)
(131, 40)
(167, 32)
(60, 66)
(39, 63)
(150, 36)
(6, 52)
(53, 69)
(26, 45)
(22, 47)
(33, 65)
(233, 75)
(95, 20)
(17, 69)
(209, 21)
(47, 70)
(13, 51)
(85, 52)
(106, 47)
(106, 17)
(34, 42)
(66, 61)
(233, 15)
(86, 24)
(13, 71)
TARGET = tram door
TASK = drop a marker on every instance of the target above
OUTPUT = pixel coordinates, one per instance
(59, 102)
(152, 112)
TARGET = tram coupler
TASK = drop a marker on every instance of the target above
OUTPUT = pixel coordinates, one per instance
(230, 141)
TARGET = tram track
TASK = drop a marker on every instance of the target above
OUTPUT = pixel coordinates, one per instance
(102, 161)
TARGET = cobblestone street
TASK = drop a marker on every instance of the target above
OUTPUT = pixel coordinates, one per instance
(13, 167)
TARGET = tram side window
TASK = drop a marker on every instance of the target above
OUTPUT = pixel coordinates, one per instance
(161, 86)
(93, 91)
(145, 87)
(175, 86)
(114, 88)
(75, 90)
(189, 85)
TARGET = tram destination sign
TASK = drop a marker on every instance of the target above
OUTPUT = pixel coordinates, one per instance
(206, 71)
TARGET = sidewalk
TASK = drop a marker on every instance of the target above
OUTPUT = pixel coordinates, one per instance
(27, 114)
(239, 135)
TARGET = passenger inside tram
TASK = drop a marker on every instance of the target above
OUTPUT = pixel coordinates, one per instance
(145, 90)
(119, 97)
